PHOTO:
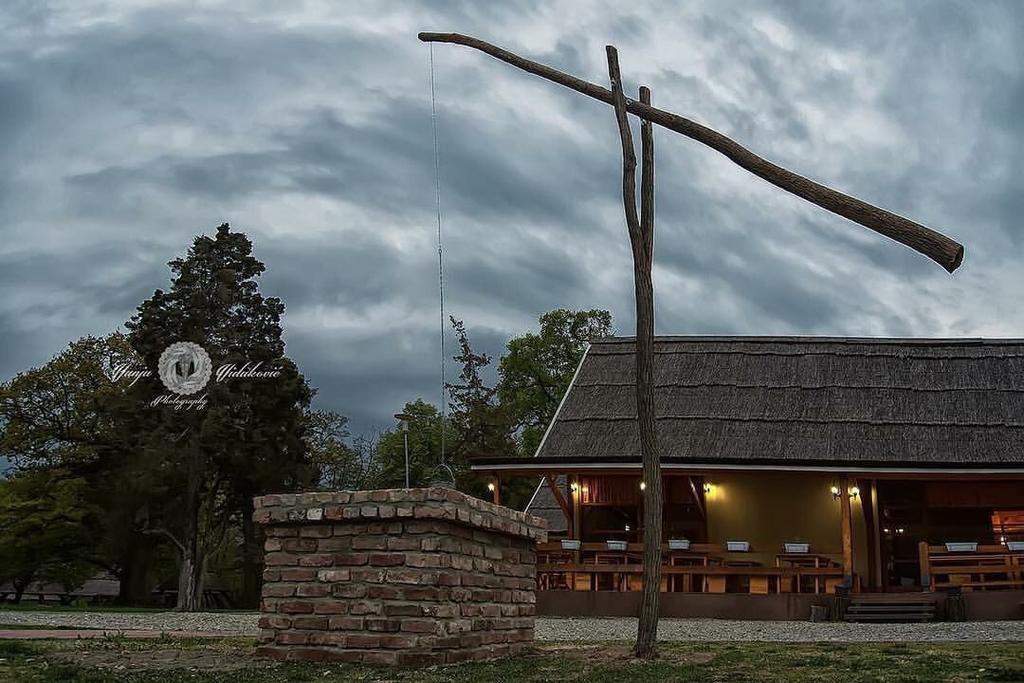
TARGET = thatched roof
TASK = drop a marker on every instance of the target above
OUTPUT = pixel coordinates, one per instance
(869, 402)
(543, 504)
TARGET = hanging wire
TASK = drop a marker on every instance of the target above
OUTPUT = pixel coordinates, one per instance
(440, 254)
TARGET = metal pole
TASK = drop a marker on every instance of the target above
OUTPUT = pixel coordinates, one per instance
(405, 438)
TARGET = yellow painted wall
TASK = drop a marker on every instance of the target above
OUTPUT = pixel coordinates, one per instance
(768, 509)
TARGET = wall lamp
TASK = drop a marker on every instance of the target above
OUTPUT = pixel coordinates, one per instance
(490, 486)
(643, 486)
(853, 492)
(708, 486)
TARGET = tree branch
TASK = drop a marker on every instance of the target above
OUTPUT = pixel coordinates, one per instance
(936, 246)
(167, 534)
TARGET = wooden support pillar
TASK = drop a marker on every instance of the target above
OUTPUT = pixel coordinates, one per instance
(925, 565)
(576, 497)
(867, 499)
(497, 489)
(847, 530)
(876, 537)
(562, 502)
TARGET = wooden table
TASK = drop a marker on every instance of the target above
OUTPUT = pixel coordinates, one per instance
(808, 560)
(687, 558)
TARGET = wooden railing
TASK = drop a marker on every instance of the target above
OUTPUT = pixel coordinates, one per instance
(702, 568)
(990, 567)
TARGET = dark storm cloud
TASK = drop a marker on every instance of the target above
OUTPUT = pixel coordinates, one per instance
(129, 128)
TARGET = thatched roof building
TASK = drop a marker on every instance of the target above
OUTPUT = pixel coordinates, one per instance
(800, 401)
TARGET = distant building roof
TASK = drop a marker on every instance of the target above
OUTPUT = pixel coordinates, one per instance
(800, 400)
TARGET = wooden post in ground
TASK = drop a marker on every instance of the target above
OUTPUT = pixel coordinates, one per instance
(847, 530)
(925, 565)
(641, 239)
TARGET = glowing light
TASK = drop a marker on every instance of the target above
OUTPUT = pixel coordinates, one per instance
(643, 486)
(854, 491)
(490, 487)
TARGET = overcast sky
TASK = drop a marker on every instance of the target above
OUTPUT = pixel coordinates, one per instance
(126, 128)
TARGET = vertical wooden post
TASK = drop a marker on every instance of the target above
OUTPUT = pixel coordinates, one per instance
(497, 489)
(847, 530)
(867, 497)
(575, 495)
(876, 539)
(925, 565)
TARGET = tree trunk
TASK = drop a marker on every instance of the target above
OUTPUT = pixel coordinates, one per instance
(133, 570)
(190, 576)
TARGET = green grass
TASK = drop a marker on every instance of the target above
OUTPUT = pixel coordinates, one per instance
(230, 660)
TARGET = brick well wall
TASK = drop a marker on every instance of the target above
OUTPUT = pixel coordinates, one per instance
(404, 576)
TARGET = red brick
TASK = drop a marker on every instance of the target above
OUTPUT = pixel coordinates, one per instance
(392, 560)
(292, 638)
(351, 559)
(331, 607)
(296, 607)
(277, 559)
(298, 574)
(364, 640)
(316, 559)
(407, 609)
(312, 590)
(381, 624)
(278, 590)
(419, 625)
(310, 623)
(398, 641)
(299, 545)
(369, 543)
(364, 607)
(273, 621)
(345, 623)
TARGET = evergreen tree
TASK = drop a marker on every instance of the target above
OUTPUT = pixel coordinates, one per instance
(249, 437)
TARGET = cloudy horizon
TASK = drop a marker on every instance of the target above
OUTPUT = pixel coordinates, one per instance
(130, 127)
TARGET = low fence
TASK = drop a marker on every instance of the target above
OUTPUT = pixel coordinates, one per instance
(985, 568)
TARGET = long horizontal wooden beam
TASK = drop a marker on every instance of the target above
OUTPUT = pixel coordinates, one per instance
(946, 252)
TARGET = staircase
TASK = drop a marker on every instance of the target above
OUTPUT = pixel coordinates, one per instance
(890, 607)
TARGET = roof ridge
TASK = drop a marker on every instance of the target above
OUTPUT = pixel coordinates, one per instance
(825, 339)
(822, 421)
(808, 387)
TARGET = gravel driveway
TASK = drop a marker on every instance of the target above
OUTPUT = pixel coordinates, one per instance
(567, 629)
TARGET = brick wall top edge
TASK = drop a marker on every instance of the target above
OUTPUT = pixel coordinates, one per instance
(397, 504)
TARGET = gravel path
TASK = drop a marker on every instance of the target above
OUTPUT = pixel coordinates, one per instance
(717, 630)
(707, 630)
(209, 622)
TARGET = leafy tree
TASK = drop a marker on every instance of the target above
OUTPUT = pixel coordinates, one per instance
(249, 437)
(537, 368)
(479, 420)
(43, 530)
(425, 464)
(64, 415)
(339, 465)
